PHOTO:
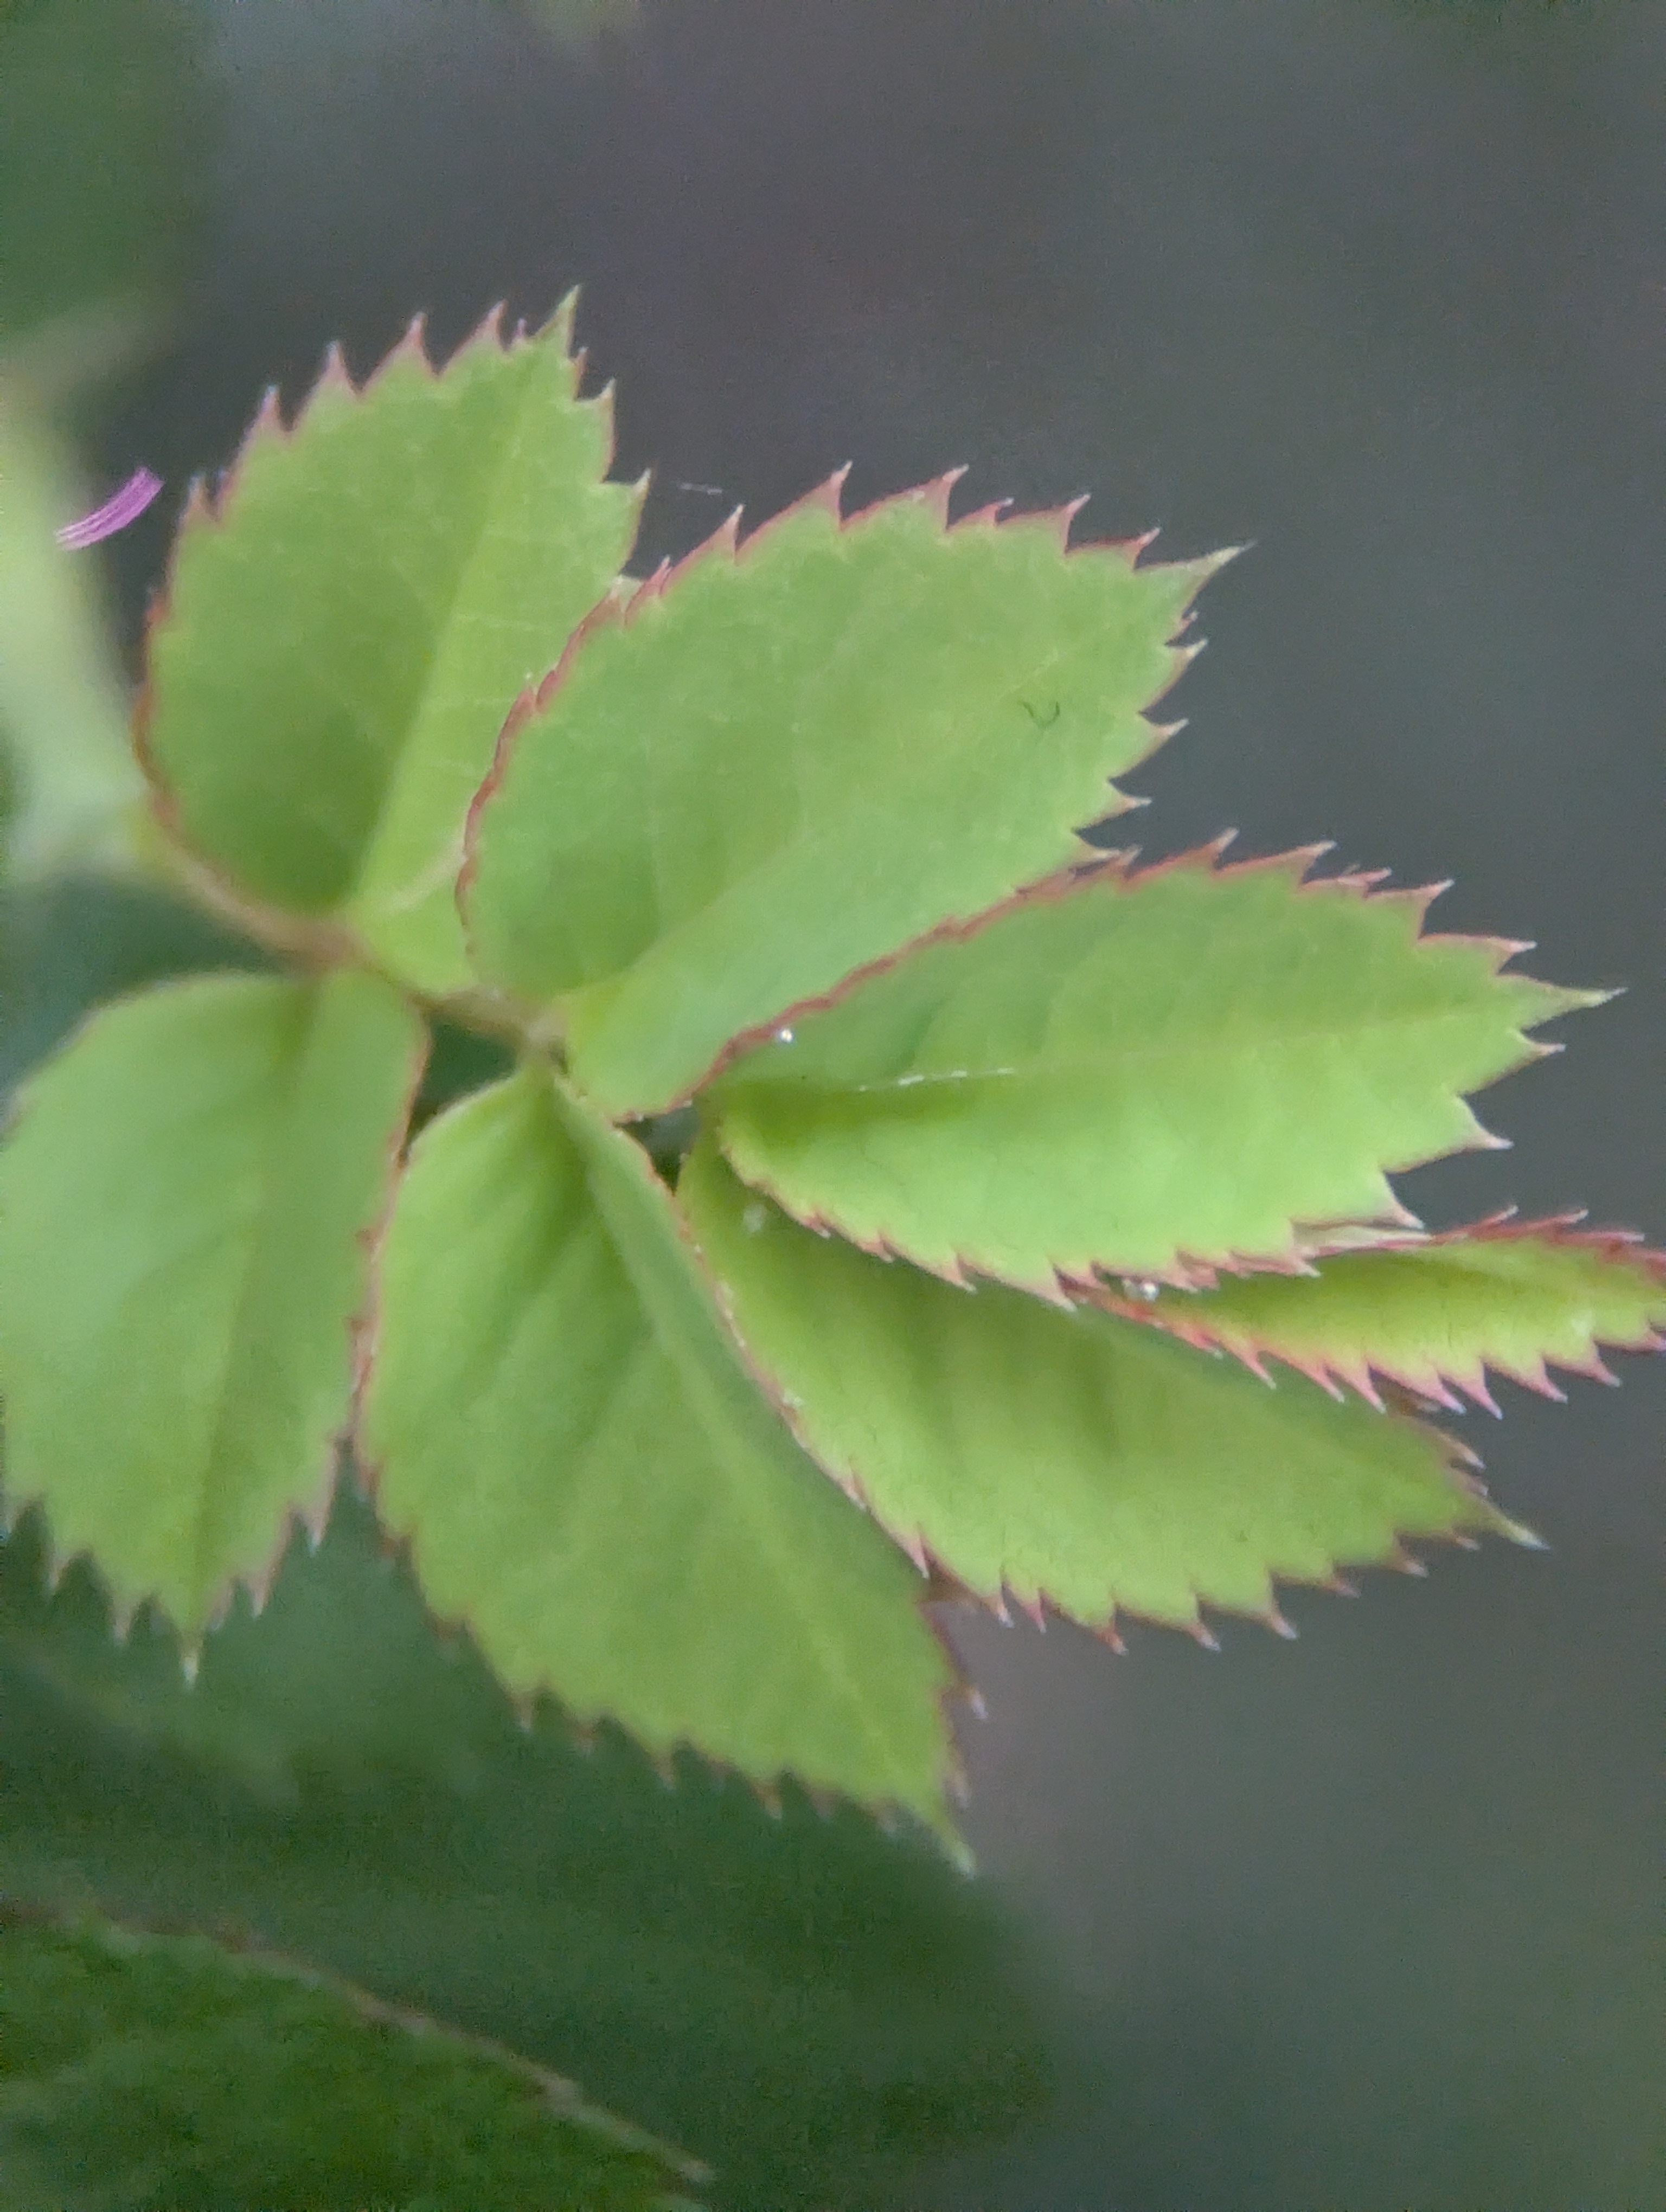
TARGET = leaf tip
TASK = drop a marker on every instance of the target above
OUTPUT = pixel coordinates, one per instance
(1518, 1532)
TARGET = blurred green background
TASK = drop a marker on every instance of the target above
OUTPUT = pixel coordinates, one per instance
(1370, 1922)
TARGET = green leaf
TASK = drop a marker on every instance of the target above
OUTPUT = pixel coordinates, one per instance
(786, 758)
(346, 629)
(1438, 1312)
(591, 1480)
(808, 2002)
(185, 1206)
(75, 785)
(1061, 1454)
(140, 2070)
(1157, 1074)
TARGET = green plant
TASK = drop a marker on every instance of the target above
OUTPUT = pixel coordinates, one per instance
(787, 838)
(145, 2069)
(856, 1118)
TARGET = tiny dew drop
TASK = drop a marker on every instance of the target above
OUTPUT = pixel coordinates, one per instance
(753, 1219)
(783, 1037)
(1139, 1286)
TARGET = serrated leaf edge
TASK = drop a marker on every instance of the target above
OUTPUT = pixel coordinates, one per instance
(1437, 1382)
(620, 611)
(322, 940)
(1065, 1283)
(309, 1519)
(527, 1704)
(1459, 1462)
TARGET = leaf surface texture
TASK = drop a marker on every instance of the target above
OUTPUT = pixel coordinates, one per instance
(1438, 1314)
(166, 2071)
(791, 756)
(1065, 1456)
(186, 1203)
(1156, 1074)
(590, 1479)
(348, 627)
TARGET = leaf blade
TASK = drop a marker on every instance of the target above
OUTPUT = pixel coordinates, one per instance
(185, 1204)
(568, 1351)
(1043, 1454)
(1435, 1314)
(1160, 1073)
(791, 755)
(164, 2068)
(345, 631)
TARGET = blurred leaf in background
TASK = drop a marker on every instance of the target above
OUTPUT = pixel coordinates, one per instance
(804, 2002)
(140, 2070)
(101, 168)
(104, 155)
(72, 786)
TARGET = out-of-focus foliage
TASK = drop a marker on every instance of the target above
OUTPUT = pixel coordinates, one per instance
(101, 169)
(802, 2001)
(72, 786)
(104, 140)
(793, 831)
(141, 2071)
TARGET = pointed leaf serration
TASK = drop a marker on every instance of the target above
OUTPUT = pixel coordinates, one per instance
(1065, 1458)
(791, 754)
(638, 1534)
(187, 1201)
(1435, 1313)
(1156, 1073)
(347, 624)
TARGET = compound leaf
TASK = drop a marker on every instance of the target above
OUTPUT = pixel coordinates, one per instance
(1064, 1455)
(185, 1203)
(590, 1479)
(1157, 1074)
(347, 627)
(1437, 1313)
(149, 2070)
(787, 758)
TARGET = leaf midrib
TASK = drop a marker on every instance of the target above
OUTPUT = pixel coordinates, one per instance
(1108, 1059)
(216, 1451)
(506, 441)
(712, 1380)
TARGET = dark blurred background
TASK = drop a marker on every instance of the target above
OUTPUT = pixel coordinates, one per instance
(1369, 1922)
